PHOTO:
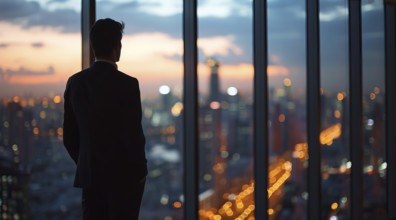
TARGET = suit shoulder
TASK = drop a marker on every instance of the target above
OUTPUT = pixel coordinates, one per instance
(129, 78)
(78, 74)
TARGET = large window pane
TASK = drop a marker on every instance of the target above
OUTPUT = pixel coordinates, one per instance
(334, 99)
(152, 50)
(40, 47)
(288, 152)
(225, 75)
(374, 109)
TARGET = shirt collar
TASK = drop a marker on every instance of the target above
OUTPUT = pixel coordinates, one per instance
(107, 61)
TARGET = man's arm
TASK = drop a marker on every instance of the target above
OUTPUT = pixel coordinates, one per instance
(142, 139)
(70, 129)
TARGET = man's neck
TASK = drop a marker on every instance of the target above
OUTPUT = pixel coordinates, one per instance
(107, 61)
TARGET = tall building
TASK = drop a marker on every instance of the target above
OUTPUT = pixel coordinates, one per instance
(15, 145)
(14, 196)
(212, 142)
(214, 86)
(18, 134)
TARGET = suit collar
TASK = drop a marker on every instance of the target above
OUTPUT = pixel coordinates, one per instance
(105, 62)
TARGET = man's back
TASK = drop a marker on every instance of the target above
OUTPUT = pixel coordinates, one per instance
(106, 106)
(102, 130)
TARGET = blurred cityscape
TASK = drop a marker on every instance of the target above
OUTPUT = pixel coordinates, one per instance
(36, 174)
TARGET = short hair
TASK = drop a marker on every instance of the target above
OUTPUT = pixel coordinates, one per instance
(105, 35)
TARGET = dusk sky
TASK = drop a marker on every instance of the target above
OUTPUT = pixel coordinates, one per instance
(40, 43)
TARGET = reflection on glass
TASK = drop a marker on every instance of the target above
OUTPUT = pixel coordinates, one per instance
(334, 100)
(39, 50)
(288, 150)
(152, 50)
(225, 75)
(374, 109)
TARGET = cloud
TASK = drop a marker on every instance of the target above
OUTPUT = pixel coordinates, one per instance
(138, 21)
(176, 57)
(233, 23)
(234, 28)
(161, 8)
(67, 20)
(30, 14)
(37, 44)
(57, 1)
(334, 48)
(4, 45)
(22, 71)
(16, 9)
(219, 45)
(24, 76)
(146, 45)
(338, 12)
(224, 8)
(125, 5)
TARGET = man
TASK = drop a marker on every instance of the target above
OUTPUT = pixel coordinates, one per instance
(103, 132)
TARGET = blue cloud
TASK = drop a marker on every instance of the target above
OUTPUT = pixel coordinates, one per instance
(30, 13)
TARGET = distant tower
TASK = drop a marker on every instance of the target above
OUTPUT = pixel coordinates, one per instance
(214, 90)
(286, 113)
(212, 142)
(166, 97)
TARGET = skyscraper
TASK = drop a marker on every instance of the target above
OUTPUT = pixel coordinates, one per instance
(214, 89)
(212, 170)
(15, 146)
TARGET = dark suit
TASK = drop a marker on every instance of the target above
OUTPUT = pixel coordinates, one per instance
(103, 134)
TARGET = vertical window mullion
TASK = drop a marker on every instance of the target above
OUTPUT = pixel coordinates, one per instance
(390, 80)
(260, 109)
(313, 102)
(190, 97)
(356, 108)
(88, 16)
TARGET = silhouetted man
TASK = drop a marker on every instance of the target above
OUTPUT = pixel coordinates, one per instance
(103, 132)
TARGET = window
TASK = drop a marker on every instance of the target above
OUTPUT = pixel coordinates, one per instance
(287, 109)
(225, 79)
(375, 164)
(40, 47)
(152, 52)
(334, 61)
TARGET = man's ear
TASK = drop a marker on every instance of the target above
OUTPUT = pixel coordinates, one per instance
(117, 51)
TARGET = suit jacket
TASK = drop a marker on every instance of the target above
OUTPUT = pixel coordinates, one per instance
(102, 127)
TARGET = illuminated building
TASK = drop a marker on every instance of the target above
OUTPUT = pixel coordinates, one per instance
(214, 86)
(16, 138)
(15, 147)
(14, 196)
(212, 168)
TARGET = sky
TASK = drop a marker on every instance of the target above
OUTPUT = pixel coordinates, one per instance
(40, 43)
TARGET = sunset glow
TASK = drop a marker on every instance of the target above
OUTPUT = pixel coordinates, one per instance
(147, 56)
(28, 55)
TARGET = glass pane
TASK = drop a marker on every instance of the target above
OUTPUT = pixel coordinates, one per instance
(225, 74)
(374, 109)
(287, 110)
(152, 50)
(334, 99)
(40, 47)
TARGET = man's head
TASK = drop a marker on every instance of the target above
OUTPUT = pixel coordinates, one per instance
(105, 36)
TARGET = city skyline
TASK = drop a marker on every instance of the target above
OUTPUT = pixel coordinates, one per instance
(40, 47)
(164, 132)
(52, 52)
